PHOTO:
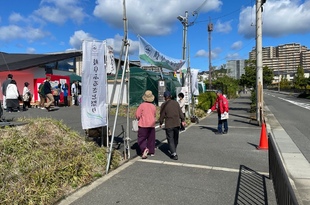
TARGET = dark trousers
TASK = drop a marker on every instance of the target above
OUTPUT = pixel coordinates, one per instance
(65, 100)
(56, 100)
(146, 139)
(26, 104)
(172, 135)
(220, 124)
(76, 102)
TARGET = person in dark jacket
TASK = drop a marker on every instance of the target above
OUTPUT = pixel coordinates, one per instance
(4, 86)
(48, 93)
(171, 113)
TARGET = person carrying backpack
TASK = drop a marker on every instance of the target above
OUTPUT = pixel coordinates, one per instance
(42, 96)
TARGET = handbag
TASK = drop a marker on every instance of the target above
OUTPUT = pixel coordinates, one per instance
(225, 116)
(135, 126)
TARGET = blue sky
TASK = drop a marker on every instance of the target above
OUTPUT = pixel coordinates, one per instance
(47, 26)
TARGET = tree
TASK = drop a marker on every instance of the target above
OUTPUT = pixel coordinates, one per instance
(284, 83)
(299, 79)
(228, 85)
(249, 78)
(267, 76)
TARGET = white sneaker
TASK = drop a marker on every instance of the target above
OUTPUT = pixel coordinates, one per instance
(42, 108)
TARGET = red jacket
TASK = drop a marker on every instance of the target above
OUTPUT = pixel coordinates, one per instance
(221, 104)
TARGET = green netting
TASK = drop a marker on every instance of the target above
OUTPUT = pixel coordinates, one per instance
(142, 80)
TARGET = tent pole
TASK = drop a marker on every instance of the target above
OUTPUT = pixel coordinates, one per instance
(124, 44)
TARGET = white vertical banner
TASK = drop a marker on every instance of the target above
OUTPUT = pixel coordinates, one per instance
(94, 88)
(194, 74)
(111, 68)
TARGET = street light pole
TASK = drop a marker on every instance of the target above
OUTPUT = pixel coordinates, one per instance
(185, 25)
(184, 21)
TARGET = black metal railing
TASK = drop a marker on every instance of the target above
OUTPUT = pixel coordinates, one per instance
(282, 186)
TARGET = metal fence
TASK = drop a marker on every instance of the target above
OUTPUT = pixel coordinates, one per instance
(282, 186)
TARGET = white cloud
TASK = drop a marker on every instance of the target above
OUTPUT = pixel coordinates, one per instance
(214, 53)
(78, 37)
(15, 17)
(223, 27)
(116, 42)
(150, 17)
(280, 18)
(233, 56)
(202, 53)
(237, 45)
(31, 50)
(59, 11)
(8, 33)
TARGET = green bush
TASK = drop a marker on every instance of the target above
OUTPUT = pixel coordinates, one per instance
(206, 100)
(253, 101)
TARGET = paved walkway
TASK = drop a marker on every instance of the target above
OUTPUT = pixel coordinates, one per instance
(212, 169)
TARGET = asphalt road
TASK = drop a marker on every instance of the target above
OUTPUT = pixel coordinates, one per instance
(293, 114)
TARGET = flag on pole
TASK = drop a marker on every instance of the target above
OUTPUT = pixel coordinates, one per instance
(149, 54)
(94, 78)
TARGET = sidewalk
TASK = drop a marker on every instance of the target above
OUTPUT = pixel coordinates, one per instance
(212, 169)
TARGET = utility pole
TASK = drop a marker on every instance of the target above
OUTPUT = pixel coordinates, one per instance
(210, 29)
(259, 63)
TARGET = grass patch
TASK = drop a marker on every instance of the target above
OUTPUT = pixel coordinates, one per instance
(44, 160)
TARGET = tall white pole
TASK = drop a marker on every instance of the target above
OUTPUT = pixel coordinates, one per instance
(210, 29)
(259, 63)
(185, 25)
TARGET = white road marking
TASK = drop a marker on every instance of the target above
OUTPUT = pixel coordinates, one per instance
(303, 105)
(196, 166)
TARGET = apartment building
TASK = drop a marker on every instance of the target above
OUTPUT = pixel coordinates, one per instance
(284, 59)
(235, 68)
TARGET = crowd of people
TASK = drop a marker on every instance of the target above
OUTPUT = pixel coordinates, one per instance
(171, 118)
(49, 97)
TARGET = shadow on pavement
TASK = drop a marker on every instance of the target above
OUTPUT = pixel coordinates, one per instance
(164, 147)
(245, 103)
(251, 187)
(254, 145)
(247, 122)
(241, 116)
(238, 108)
(208, 128)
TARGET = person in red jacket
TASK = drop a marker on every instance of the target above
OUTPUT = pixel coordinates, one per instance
(221, 105)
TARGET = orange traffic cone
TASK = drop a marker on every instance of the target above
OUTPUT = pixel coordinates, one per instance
(263, 144)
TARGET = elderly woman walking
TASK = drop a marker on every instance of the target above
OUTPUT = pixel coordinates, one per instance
(146, 114)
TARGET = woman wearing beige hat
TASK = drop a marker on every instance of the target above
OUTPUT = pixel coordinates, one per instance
(146, 114)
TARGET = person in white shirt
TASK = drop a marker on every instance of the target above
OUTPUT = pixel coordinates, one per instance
(74, 93)
(181, 102)
(26, 97)
(12, 97)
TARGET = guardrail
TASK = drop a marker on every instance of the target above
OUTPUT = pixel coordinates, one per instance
(282, 186)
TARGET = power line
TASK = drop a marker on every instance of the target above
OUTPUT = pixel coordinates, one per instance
(225, 15)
